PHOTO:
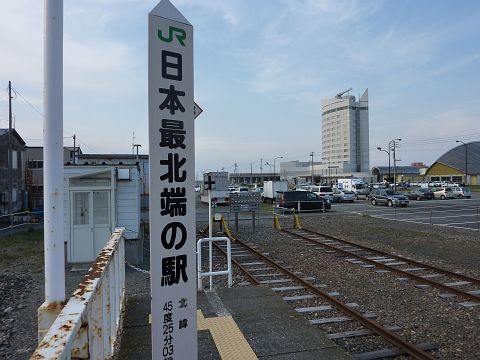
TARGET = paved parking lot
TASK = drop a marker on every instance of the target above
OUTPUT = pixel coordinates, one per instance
(457, 213)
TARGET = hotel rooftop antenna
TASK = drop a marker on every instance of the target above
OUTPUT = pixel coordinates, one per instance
(340, 94)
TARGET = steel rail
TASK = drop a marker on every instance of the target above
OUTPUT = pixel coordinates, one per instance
(413, 262)
(392, 338)
(250, 276)
(391, 268)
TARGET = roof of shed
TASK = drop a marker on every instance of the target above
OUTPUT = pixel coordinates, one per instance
(15, 133)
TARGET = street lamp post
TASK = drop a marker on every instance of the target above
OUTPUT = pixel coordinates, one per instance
(267, 163)
(393, 143)
(466, 160)
(388, 153)
(278, 157)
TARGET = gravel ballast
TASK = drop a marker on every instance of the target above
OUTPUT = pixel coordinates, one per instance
(423, 316)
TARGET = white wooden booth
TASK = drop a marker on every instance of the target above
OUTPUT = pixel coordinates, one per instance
(98, 199)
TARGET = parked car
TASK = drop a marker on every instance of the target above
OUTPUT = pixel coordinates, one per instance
(443, 193)
(323, 191)
(306, 199)
(461, 192)
(388, 197)
(420, 194)
(404, 185)
(341, 195)
(240, 190)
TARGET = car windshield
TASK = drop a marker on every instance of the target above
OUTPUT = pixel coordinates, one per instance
(325, 189)
(359, 186)
(390, 192)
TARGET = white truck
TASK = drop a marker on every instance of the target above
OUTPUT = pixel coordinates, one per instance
(355, 185)
(270, 189)
(220, 194)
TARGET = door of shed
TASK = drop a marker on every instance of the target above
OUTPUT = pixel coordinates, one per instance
(91, 223)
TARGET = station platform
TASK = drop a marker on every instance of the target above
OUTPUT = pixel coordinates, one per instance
(238, 323)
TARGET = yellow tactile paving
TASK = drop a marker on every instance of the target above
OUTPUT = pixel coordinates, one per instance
(231, 343)
(201, 321)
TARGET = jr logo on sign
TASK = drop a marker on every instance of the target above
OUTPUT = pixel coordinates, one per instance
(180, 35)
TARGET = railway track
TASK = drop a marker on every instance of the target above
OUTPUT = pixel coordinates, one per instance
(360, 333)
(454, 284)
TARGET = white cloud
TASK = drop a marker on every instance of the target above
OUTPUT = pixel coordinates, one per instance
(230, 11)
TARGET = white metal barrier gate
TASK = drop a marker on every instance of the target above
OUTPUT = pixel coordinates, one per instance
(87, 326)
(210, 273)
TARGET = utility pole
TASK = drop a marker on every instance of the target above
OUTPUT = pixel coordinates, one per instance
(235, 172)
(388, 153)
(394, 167)
(311, 154)
(10, 162)
(74, 148)
(393, 143)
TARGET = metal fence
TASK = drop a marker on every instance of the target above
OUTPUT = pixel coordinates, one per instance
(87, 326)
(21, 218)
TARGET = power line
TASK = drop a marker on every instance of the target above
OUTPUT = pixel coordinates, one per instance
(88, 147)
(27, 102)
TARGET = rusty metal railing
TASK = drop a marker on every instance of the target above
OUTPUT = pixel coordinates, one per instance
(87, 326)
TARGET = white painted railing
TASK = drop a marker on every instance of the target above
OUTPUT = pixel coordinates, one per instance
(87, 326)
(211, 273)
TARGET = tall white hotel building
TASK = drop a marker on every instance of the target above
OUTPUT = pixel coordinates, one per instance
(345, 134)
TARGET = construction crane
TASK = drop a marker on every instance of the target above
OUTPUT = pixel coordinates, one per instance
(339, 95)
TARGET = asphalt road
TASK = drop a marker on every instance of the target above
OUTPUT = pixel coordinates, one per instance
(456, 213)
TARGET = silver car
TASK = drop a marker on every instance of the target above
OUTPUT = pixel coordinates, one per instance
(461, 192)
(340, 195)
(443, 193)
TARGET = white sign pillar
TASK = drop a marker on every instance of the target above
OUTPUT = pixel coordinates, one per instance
(54, 254)
(172, 184)
(53, 153)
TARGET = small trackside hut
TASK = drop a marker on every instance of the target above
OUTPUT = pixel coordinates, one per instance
(97, 199)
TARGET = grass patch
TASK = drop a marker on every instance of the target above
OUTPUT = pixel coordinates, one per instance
(22, 249)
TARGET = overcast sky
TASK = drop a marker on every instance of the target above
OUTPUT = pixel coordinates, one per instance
(261, 70)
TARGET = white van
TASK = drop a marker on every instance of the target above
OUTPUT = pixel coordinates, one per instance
(323, 191)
